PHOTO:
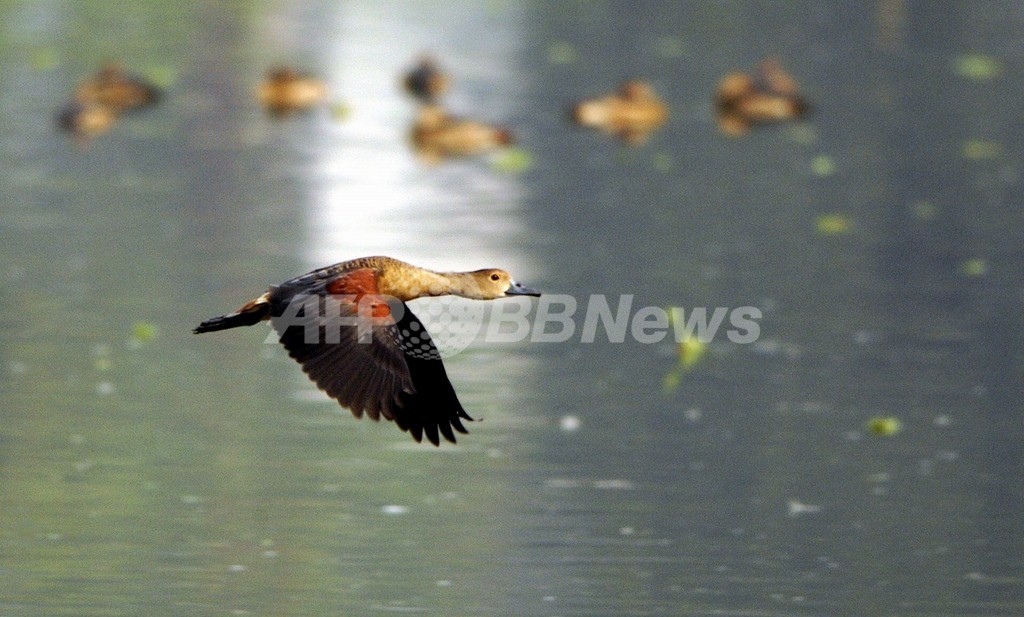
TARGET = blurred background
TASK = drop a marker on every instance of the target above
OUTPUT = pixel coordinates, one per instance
(863, 457)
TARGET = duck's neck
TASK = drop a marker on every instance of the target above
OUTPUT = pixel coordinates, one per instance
(410, 284)
(462, 284)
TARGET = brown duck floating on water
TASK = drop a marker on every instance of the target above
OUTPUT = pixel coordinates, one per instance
(397, 372)
(285, 91)
(631, 114)
(98, 101)
(117, 90)
(769, 95)
(436, 135)
(426, 81)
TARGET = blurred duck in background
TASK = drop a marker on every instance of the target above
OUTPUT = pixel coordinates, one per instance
(285, 91)
(98, 101)
(631, 114)
(769, 95)
(116, 90)
(426, 81)
(437, 136)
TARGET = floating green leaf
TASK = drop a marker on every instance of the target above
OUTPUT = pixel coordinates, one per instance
(144, 332)
(691, 351)
(340, 110)
(672, 380)
(884, 426)
(833, 224)
(978, 67)
(513, 160)
(974, 267)
(982, 149)
(823, 165)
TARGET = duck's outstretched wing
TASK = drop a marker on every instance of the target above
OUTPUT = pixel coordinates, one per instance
(383, 364)
(432, 406)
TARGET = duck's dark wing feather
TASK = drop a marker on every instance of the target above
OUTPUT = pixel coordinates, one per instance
(394, 372)
(432, 406)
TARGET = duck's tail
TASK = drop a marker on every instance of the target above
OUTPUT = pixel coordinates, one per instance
(801, 108)
(252, 312)
(505, 136)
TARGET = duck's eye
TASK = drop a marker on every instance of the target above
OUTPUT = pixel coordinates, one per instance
(495, 277)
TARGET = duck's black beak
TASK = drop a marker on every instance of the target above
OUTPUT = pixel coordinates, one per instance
(515, 289)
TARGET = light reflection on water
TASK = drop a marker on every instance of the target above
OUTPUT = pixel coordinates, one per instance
(371, 195)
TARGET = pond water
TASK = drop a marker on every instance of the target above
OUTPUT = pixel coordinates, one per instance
(862, 457)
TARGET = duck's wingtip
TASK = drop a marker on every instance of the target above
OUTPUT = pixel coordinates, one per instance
(433, 434)
(456, 422)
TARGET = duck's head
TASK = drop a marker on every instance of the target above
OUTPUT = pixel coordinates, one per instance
(734, 86)
(492, 283)
(636, 89)
(112, 70)
(282, 74)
